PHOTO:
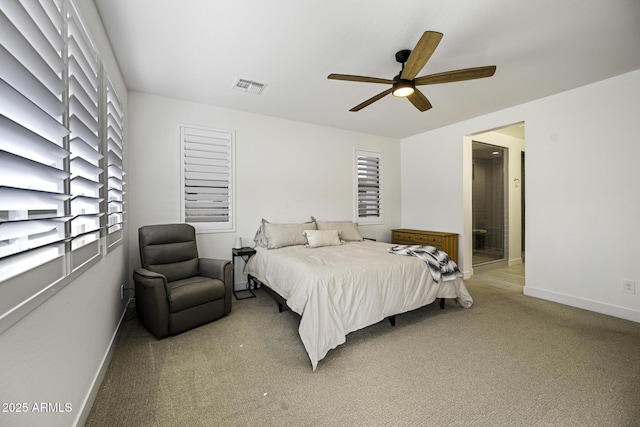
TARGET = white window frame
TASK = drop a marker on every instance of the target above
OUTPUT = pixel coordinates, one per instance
(358, 216)
(220, 169)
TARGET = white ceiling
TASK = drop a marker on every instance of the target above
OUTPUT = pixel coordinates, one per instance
(196, 49)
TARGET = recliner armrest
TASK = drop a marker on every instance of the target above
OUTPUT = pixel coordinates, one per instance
(152, 302)
(221, 269)
(213, 268)
(149, 279)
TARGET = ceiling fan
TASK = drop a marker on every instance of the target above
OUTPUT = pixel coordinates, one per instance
(404, 84)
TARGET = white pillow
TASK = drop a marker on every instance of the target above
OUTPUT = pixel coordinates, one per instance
(318, 238)
(281, 235)
(349, 231)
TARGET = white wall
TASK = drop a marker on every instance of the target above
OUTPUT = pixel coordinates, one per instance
(433, 171)
(286, 171)
(55, 354)
(582, 202)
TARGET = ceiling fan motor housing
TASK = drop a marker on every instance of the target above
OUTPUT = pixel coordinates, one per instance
(403, 55)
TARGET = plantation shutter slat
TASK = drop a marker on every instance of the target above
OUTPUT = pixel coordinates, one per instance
(14, 198)
(81, 149)
(19, 170)
(16, 229)
(82, 186)
(20, 109)
(23, 142)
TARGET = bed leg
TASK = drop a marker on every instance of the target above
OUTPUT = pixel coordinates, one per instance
(392, 320)
(442, 303)
(280, 307)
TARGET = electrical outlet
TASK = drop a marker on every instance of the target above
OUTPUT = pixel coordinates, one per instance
(121, 292)
(628, 287)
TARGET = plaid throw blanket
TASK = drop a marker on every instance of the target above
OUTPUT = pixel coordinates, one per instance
(439, 263)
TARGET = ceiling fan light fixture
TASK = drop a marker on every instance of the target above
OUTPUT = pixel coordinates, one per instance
(403, 88)
(404, 84)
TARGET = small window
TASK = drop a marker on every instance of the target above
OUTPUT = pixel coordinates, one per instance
(207, 178)
(84, 139)
(114, 147)
(368, 197)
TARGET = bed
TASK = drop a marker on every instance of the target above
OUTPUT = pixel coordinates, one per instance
(345, 286)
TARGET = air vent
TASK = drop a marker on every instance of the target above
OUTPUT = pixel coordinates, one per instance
(249, 86)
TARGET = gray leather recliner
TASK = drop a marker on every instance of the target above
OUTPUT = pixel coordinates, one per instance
(175, 289)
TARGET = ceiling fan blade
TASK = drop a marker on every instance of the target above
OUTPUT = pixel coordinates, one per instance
(419, 101)
(421, 54)
(372, 100)
(351, 78)
(457, 75)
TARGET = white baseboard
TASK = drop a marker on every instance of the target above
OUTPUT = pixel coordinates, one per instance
(598, 307)
(83, 414)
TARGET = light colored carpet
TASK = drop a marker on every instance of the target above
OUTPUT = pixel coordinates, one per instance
(510, 360)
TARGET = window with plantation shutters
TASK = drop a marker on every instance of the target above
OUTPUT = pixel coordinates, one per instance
(84, 141)
(60, 144)
(368, 197)
(207, 178)
(114, 147)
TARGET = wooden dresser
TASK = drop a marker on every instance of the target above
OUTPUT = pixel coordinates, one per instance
(447, 242)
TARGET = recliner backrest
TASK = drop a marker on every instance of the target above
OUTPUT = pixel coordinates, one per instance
(169, 249)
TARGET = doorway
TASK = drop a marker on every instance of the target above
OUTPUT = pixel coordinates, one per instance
(489, 202)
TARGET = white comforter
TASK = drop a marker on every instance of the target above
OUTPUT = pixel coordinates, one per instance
(340, 289)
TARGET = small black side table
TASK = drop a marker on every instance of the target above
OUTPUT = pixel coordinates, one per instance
(244, 253)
